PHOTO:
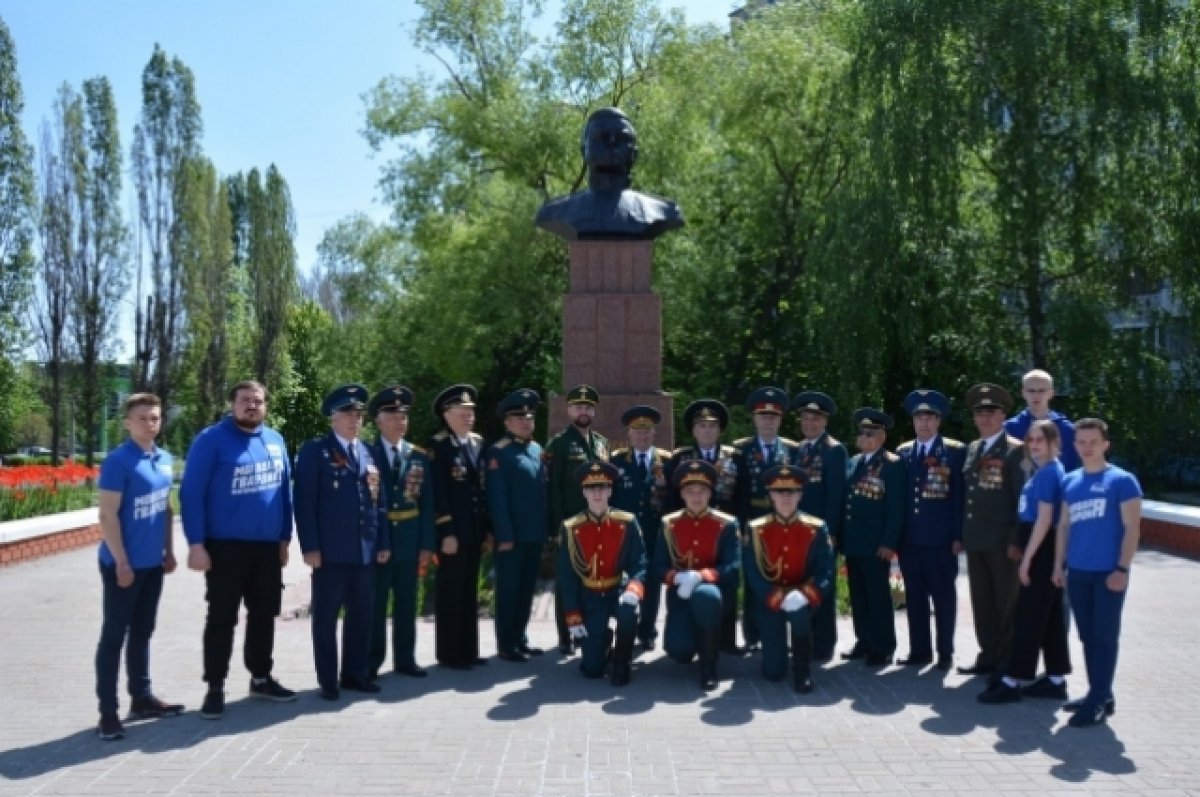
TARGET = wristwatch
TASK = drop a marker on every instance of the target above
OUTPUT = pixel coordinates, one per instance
(1122, 569)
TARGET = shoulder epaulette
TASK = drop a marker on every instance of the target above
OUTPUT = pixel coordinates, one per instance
(906, 445)
(950, 442)
(575, 520)
(787, 441)
(891, 456)
(832, 441)
(662, 452)
(727, 449)
(474, 436)
(1012, 441)
(440, 436)
(419, 450)
(680, 451)
(621, 515)
(759, 522)
(741, 441)
(811, 520)
(672, 517)
(722, 516)
(620, 452)
(502, 442)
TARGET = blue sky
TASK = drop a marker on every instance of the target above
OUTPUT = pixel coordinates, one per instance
(278, 81)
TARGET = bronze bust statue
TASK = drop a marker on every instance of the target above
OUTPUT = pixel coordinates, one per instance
(609, 209)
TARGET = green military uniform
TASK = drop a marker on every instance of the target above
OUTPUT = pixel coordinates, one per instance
(873, 520)
(565, 452)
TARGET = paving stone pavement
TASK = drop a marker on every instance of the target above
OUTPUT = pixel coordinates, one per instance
(541, 729)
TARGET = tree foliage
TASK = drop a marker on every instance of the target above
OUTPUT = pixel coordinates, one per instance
(16, 206)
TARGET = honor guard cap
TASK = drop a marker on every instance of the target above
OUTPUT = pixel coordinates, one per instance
(767, 400)
(583, 394)
(345, 397)
(396, 398)
(695, 471)
(454, 396)
(521, 403)
(783, 478)
(872, 419)
(706, 410)
(814, 401)
(930, 401)
(592, 473)
(642, 416)
(985, 395)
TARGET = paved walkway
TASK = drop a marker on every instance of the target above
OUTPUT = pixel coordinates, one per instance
(541, 729)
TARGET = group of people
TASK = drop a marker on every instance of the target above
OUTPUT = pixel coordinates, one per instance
(1033, 502)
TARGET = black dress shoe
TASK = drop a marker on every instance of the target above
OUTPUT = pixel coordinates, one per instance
(529, 650)
(802, 684)
(976, 669)
(1000, 692)
(878, 659)
(856, 652)
(1072, 706)
(412, 671)
(329, 693)
(566, 648)
(945, 662)
(358, 685)
(1044, 687)
(1089, 715)
(513, 656)
(915, 661)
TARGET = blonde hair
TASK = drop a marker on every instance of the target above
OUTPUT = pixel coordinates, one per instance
(1037, 375)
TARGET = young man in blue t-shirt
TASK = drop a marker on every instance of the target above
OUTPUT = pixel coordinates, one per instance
(1097, 537)
(136, 550)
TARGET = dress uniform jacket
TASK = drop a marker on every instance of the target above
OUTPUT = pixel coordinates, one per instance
(337, 500)
(598, 559)
(460, 509)
(645, 495)
(993, 484)
(752, 497)
(824, 463)
(724, 495)
(874, 518)
(565, 452)
(406, 517)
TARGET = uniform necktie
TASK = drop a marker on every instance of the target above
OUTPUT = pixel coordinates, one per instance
(396, 464)
(641, 458)
(770, 449)
(351, 458)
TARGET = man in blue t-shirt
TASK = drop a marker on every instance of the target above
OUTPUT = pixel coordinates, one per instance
(1097, 537)
(136, 550)
(236, 501)
(1037, 388)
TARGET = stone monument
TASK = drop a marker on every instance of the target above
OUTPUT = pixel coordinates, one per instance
(612, 319)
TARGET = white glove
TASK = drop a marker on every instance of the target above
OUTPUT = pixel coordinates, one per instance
(577, 631)
(629, 598)
(687, 581)
(794, 601)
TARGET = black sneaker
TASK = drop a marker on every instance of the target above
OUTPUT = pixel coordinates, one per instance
(110, 727)
(150, 707)
(1044, 687)
(270, 689)
(213, 707)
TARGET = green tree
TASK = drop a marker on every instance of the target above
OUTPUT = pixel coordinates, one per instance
(16, 207)
(271, 269)
(164, 141)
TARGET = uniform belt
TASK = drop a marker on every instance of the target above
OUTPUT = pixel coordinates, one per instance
(760, 502)
(601, 583)
(400, 515)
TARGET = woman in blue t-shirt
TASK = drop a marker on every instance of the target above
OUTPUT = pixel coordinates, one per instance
(1040, 622)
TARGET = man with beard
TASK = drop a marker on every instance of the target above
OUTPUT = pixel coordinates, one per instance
(236, 503)
(570, 448)
(823, 460)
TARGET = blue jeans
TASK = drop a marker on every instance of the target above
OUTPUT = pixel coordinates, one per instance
(1098, 617)
(131, 610)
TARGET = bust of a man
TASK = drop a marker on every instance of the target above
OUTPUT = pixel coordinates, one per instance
(609, 209)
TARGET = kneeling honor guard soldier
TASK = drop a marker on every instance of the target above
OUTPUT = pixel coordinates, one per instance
(516, 492)
(789, 576)
(407, 520)
(699, 559)
(601, 572)
(337, 520)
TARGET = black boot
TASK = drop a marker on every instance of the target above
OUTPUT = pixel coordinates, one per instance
(622, 658)
(802, 662)
(709, 643)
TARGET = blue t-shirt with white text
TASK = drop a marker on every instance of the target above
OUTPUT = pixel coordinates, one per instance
(1094, 505)
(143, 478)
(1044, 487)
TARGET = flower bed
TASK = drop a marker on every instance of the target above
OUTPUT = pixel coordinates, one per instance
(33, 490)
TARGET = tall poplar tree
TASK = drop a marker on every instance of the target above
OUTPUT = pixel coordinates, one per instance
(167, 136)
(272, 269)
(16, 205)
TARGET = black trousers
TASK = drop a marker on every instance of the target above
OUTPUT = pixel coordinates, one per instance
(456, 606)
(871, 606)
(249, 572)
(1039, 625)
